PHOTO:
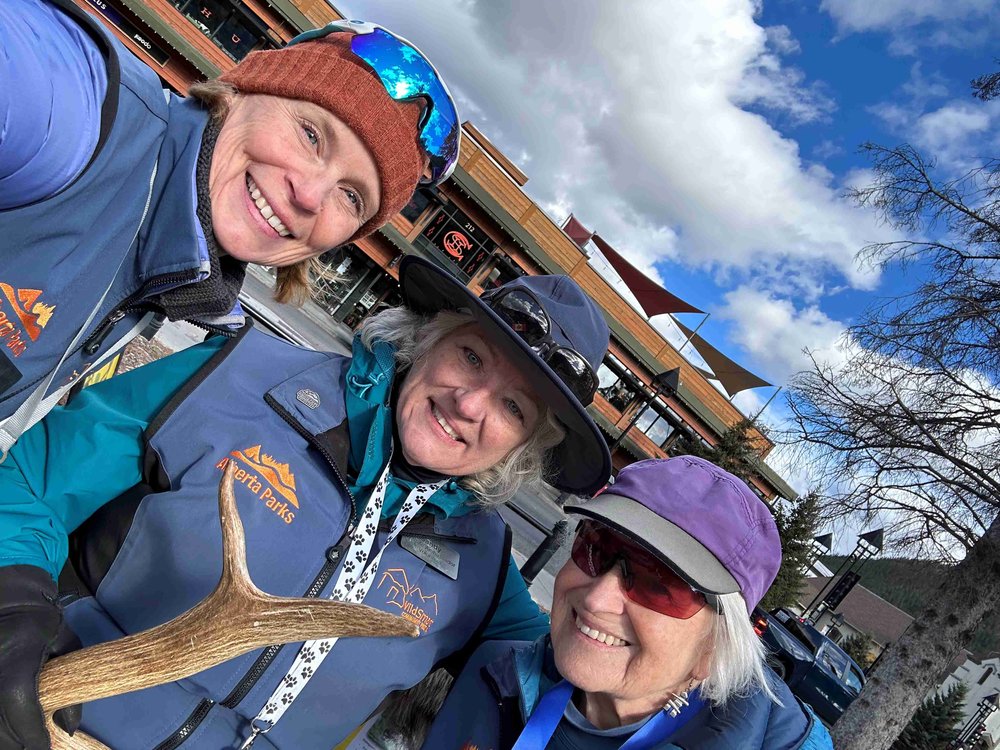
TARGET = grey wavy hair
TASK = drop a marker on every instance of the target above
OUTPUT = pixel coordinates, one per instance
(737, 665)
(414, 336)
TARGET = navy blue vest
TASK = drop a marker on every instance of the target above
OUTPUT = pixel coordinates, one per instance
(59, 254)
(247, 405)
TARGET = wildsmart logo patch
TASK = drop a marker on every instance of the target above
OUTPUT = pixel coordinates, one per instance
(26, 309)
(415, 605)
(270, 480)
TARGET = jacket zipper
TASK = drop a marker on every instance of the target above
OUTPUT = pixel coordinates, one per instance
(260, 666)
(190, 724)
(96, 339)
(107, 324)
(256, 671)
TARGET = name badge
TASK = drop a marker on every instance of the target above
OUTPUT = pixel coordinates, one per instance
(443, 559)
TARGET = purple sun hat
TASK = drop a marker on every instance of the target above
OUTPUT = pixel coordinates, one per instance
(702, 521)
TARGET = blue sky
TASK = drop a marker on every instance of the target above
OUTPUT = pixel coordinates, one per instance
(711, 142)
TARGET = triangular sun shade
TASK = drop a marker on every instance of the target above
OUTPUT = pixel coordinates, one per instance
(654, 299)
(734, 377)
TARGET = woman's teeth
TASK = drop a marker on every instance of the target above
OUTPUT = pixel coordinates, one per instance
(597, 635)
(265, 210)
(444, 424)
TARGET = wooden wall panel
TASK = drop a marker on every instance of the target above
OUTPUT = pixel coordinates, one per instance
(499, 185)
(556, 244)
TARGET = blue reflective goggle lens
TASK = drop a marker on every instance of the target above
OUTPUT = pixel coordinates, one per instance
(407, 75)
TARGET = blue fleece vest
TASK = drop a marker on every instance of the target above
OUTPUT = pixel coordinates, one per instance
(502, 682)
(59, 254)
(271, 407)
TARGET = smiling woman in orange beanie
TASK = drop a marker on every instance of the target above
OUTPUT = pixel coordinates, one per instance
(120, 201)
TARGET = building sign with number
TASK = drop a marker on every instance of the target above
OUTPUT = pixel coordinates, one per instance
(459, 239)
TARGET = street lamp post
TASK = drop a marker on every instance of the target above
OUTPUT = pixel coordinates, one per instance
(663, 383)
(975, 727)
(869, 545)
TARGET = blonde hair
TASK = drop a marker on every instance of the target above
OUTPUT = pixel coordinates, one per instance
(414, 336)
(295, 283)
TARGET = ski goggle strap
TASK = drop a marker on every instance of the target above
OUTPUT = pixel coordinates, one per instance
(406, 75)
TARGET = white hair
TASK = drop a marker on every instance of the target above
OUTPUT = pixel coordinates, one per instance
(414, 336)
(737, 665)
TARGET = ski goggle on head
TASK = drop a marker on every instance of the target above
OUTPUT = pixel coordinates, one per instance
(407, 76)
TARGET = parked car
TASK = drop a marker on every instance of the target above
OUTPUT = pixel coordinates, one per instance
(815, 668)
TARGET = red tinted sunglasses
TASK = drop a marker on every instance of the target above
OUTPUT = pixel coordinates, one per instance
(647, 580)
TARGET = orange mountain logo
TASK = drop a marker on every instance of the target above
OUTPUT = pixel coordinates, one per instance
(267, 478)
(32, 314)
(415, 606)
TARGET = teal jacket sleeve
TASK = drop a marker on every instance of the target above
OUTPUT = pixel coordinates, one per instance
(517, 618)
(81, 456)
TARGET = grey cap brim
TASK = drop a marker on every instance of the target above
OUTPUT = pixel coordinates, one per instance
(581, 462)
(684, 554)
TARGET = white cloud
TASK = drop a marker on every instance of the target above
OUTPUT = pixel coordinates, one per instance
(954, 134)
(917, 25)
(642, 128)
(776, 333)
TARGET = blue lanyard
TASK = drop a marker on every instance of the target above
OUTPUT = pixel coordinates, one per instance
(552, 706)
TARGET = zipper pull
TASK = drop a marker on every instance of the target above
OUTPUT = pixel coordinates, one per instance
(96, 339)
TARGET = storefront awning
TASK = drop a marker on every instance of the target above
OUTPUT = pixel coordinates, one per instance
(468, 185)
(292, 14)
(173, 38)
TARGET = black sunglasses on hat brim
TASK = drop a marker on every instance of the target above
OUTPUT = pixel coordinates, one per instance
(581, 463)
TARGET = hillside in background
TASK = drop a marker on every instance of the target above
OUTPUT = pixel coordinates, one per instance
(909, 584)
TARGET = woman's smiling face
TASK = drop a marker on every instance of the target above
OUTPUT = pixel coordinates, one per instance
(606, 644)
(288, 181)
(464, 406)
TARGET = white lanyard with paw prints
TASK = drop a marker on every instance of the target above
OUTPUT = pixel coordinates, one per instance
(347, 589)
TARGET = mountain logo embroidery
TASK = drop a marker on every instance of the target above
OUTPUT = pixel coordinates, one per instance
(415, 606)
(32, 314)
(270, 480)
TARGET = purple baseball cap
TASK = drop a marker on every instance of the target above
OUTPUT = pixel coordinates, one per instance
(702, 521)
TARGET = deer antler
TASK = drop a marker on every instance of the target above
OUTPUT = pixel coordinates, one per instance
(236, 618)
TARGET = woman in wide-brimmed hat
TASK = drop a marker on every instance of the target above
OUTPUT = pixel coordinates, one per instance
(371, 478)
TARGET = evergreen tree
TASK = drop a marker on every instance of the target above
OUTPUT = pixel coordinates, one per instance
(936, 722)
(796, 519)
(735, 452)
(859, 648)
(796, 522)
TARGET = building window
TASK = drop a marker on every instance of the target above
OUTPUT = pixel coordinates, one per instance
(231, 25)
(618, 385)
(660, 431)
(986, 675)
(419, 203)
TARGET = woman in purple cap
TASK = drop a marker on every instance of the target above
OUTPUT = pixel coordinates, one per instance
(651, 644)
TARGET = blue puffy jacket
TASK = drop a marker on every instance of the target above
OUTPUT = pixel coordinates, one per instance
(125, 223)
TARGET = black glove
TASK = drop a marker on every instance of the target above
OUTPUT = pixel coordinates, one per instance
(31, 630)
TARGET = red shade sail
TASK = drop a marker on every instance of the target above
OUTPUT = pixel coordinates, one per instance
(577, 231)
(734, 378)
(655, 300)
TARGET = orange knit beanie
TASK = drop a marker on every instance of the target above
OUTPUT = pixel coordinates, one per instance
(325, 72)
